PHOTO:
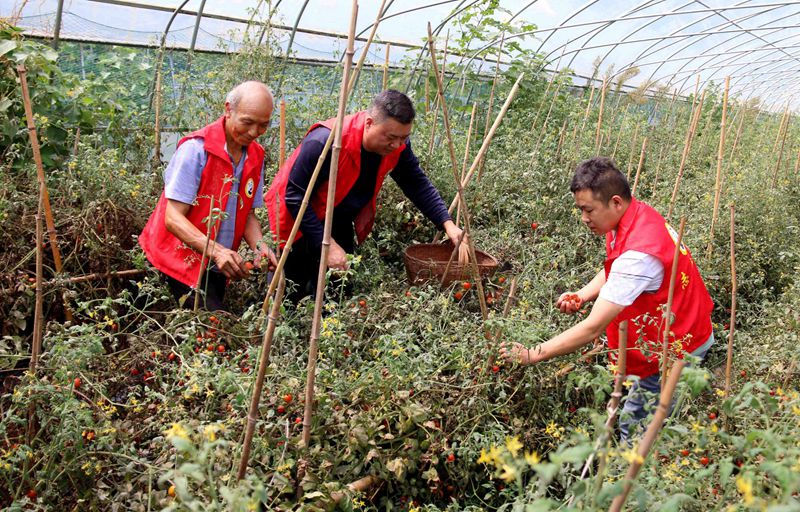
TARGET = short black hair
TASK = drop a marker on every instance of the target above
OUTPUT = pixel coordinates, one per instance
(601, 176)
(394, 104)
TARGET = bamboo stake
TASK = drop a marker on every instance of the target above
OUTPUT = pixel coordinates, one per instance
(263, 363)
(780, 153)
(491, 96)
(616, 397)
(561, 136)
(386, 67)
(278, 273)
(209, 222)
(780, 127)
(506, 310)
(685, 155)
(600, 118)
(282, 157)
(670, 296)
(631, 152)
(436, 103)
(734, 287)
(488, 138)
(37, 158)
(456, 177)
(658, 168)
(466, 156)
(667, 391)
(639, 167)
(543, 129)
(575, 138)
(620, 131)
(738, 134)
(326, 237)
(720, 155)
(38, 320)
(360, 485)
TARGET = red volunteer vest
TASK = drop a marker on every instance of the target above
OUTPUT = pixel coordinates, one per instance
(643, 229)
(162, 248)
(349, 170)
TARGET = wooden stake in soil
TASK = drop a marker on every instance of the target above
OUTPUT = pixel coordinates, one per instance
(491, 96)
(667, 391)
(631, 153)
(263, 363)
(326, 237)
(720, 154)
(457, 178)
(385, 82)
(466, 156)
(780, 153)
(734, 286)
(600, 119)
(282, 157)
(667, 321)
(37, 158)
(616, 397)
(639, 167)
(488, 138)
(687, 147)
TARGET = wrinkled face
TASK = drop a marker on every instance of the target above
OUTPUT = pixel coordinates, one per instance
(600, 217)
(248, 121)
(385, 136)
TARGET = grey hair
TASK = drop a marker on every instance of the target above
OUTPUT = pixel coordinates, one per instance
(235, 95)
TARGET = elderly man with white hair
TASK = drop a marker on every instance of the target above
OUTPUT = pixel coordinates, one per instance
(212, 185)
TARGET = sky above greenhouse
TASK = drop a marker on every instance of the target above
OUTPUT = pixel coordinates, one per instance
(671, 42)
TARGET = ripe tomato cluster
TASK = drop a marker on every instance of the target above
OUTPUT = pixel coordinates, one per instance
(573, 302)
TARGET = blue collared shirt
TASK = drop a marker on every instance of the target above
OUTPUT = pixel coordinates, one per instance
(182, 180)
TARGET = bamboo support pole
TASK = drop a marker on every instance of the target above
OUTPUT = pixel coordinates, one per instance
(780, 128)
(491, 97)
(38, 320)
(639, 167)
(616, 396)
(577, 134)
(658, 170)
(687, 147)
(45, 196)
(360, 485)
(203, 261)
(561, 136)
(720, 155)
(82, 279)
(263, 363)
(459, 186)
(436, 102)
(621, 131)
(316, 322)
(738, 134)
(734, 287)
(488, 138)
(631, 152)
(667, 391)
(466, 156)
(543, 129)
(780, 152)
(600, 118)
(278, 273)
(512, 291)
(385, 82)
(667, 321)
(282, 148)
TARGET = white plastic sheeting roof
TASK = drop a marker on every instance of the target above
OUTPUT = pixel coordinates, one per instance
(756, 43)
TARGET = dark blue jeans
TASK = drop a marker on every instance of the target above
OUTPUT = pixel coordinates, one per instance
(643, 398)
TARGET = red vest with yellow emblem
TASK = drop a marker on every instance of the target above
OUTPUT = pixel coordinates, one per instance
(162, 248)
(349, 170)
(643, 229)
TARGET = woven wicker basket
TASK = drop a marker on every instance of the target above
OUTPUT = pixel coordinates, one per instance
(428, 261)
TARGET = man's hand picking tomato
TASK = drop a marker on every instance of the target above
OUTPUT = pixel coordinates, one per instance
(569, 303)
